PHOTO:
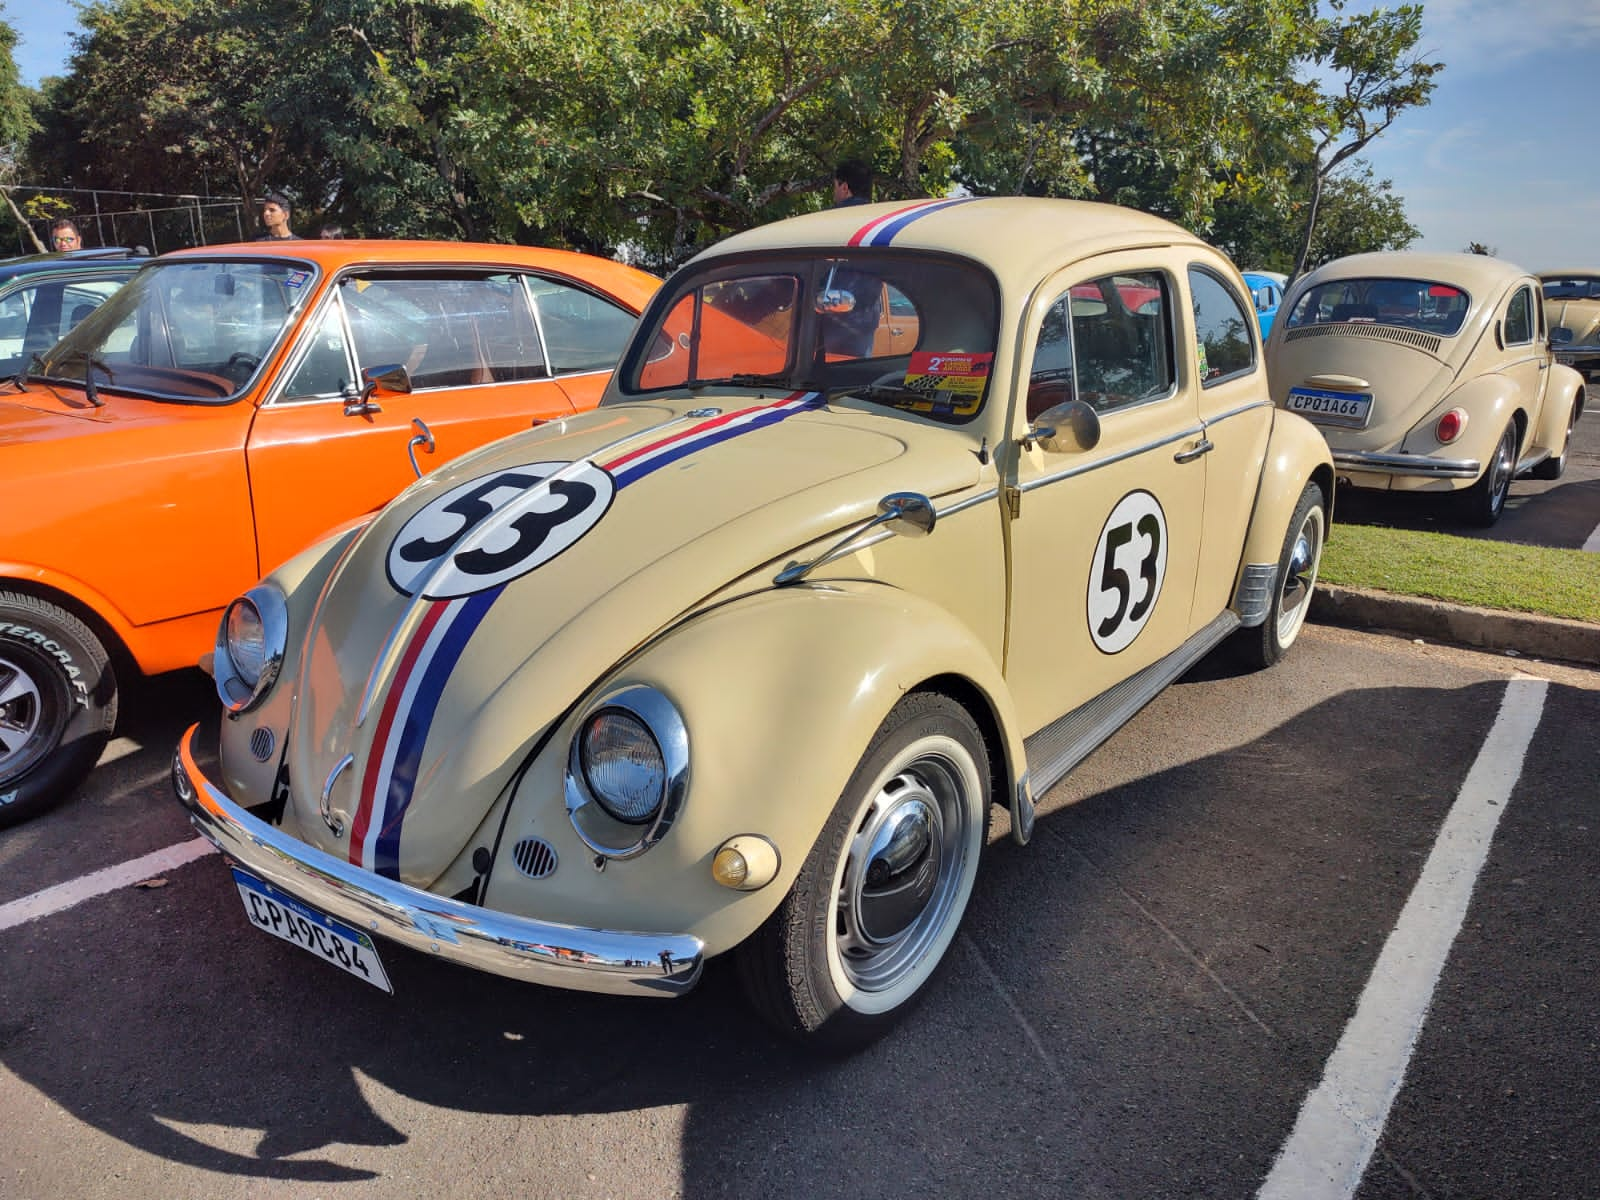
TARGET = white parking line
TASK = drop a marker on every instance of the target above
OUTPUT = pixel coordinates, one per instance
(1342, 1118)
(98, 883)
(1593, 544)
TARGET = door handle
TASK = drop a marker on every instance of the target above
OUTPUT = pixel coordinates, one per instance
(1203, 446)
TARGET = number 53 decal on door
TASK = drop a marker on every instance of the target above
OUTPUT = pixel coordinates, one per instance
(1130, 561)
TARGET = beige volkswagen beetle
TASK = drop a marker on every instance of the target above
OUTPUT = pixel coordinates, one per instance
(1572, 311)
(740, 661)
(1427, 373)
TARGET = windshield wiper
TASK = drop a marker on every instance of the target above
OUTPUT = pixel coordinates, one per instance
(91, 363)
(35, 360)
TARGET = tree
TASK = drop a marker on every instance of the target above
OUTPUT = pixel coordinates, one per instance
(1376, 75)
(1480, 248)
(16, 120)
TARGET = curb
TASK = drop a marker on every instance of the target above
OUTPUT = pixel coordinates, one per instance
(1459, 624)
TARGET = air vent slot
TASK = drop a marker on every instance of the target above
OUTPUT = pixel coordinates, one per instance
(262, 743)
(1387, 333)
(535, 857)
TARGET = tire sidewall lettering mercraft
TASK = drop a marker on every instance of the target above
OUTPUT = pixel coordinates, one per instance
(45, 644)
(1129, 568)
(497, 527)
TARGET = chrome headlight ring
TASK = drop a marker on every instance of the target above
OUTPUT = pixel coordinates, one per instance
(251, 638)
(606, 834)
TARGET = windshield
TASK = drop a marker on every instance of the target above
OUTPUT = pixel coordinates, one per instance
(190, 330)
(1437, 308)
(1572, 287)
(906, 331)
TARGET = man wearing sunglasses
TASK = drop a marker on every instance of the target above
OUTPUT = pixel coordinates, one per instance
(64, 235)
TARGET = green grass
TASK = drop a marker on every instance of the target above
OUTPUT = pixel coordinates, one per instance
(1488, 574)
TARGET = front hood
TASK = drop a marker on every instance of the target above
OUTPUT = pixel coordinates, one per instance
(570, 545)
(1404, 372)
(40, 413)
(1580, 316)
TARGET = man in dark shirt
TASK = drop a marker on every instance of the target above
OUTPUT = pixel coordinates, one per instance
(275, 210)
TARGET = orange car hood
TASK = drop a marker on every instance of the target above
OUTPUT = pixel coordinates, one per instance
(420, 690)
(40, 413)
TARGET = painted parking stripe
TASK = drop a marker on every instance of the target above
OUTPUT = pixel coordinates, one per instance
(86, 887)
(1343, 1116)
(1593, 544)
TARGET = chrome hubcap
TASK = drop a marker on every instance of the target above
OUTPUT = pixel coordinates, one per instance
(902, 873)
(21, 711)
(1500, 479)
(1300, 577)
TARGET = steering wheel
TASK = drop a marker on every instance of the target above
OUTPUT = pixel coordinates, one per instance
(239, 358)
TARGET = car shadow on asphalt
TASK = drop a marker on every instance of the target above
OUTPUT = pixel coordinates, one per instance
(1559, 515)
(1123, 973)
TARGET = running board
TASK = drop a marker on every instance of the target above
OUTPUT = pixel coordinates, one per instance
(1068, 740)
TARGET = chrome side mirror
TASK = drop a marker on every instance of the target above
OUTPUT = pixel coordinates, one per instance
(1063, 428)
(390, 377)
(908, 513)
(1560, 335)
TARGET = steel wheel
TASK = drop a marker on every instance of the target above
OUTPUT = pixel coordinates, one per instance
(1298, 563)
(879, 898)
(1485, 500)
(31, 716)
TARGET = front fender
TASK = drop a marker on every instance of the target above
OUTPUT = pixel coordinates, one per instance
(1563, 389)
(781, 693)
(247, 778)
(1297, 454)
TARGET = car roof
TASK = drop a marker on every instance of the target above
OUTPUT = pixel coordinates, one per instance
(1015, 236)
(72, 260)
(1571, 273)
(1476, 273)
(335, 253)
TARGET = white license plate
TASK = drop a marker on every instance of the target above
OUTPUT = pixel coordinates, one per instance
(297, 923)
(1333, 408)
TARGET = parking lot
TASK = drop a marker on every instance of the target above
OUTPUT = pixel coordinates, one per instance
(1140, 1003)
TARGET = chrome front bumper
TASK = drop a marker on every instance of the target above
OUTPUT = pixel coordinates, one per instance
(563, 956)
(1408, 464)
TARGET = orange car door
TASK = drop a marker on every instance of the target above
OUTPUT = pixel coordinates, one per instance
(477, 369)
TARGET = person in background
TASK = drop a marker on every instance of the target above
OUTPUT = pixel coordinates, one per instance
(852, 183)
(331, 231)
(275, 210)
(64, 234)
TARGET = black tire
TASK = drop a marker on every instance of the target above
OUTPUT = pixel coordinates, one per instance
(1485, 500)
(1555, 466)
(58, 704)
(855, 942)
(1296, 579)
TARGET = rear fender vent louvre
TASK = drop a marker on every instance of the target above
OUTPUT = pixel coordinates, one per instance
(1387, 333)
(535, 857)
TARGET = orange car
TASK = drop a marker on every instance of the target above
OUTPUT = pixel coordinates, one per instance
(223, 410)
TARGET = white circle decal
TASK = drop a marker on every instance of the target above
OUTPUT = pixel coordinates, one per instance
(490, 530)
(1130, 561)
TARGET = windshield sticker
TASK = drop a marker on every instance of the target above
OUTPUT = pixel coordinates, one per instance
(295, 279)
(964, 374)
(1130, 563)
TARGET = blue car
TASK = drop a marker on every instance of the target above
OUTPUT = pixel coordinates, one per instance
(42, 296)
(1266, 289)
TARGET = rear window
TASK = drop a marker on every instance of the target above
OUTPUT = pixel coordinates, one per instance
(1437, 308)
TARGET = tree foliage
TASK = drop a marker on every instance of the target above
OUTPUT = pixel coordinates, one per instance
(654, 127)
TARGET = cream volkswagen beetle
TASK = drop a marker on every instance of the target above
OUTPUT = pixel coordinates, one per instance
(1427, 373)
(1572, 310)
(891, 514)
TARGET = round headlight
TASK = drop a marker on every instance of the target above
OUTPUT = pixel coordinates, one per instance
(245, 640)
(623, 766)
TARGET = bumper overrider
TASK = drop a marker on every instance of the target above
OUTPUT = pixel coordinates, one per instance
(563, 956)
(1408, 464)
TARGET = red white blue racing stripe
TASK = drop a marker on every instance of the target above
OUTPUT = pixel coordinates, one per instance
(436, 645)
(882, 230)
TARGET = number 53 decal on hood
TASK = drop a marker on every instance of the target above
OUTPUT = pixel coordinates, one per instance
(488, 531)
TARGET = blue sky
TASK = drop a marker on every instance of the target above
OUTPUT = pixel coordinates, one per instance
(1504, 155)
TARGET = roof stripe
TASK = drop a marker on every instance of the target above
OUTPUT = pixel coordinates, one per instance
(882, 230)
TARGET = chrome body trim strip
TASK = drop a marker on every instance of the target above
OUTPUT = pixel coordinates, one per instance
(1068, 740)
(565, 956)
(1085, 468)
(1408, 464)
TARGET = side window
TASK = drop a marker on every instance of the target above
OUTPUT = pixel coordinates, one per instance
(1519, 318)
(447, 331)
(325, 369)
(1221, 326)
(582, 331)
(1107, 342)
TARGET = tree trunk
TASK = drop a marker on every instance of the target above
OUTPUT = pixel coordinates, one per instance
(1311, 226)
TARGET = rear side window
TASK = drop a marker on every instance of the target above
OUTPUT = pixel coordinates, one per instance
(582, 331)
(1222, 327)
(1519, 318)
